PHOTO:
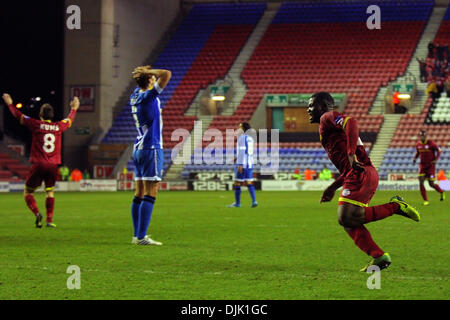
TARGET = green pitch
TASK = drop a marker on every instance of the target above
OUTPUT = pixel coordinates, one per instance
(290, 247)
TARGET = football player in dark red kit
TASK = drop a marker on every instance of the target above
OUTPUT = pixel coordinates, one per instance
(339, 135)
(429, 154)
(45, 154)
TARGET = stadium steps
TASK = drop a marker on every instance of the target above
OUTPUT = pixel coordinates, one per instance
(233, 76)
(378, 106)
(174, 171)
(421, 52)
(242, 59)
(384, 138)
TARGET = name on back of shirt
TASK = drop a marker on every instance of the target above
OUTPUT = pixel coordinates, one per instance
(49, 127)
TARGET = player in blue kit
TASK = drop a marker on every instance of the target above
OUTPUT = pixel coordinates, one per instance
(148, 156)
(243, 172)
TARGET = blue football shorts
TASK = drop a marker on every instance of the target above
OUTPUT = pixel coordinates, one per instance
(148, 164)
(245, 175)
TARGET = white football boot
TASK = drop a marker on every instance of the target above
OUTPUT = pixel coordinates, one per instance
(146, 241)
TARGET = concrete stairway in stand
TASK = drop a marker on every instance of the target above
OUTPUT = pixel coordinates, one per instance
(195, 141)
(384, 138)
(233, 76)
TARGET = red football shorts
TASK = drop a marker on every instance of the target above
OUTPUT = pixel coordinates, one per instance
(359, 187)
(42, 172)
(428, 171)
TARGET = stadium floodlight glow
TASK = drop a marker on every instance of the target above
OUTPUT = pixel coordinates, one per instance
(404, 96)
(19, 105)
(218, 98)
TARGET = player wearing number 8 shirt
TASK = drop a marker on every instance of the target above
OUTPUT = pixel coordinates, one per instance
(45, 154)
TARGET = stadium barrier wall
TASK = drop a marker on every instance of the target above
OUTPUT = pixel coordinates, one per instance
(66, 186)
(113, 185)
(317, 185)
(4, 186)
(92, 185)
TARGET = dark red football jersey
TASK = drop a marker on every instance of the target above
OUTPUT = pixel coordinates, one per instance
(46, 136)
(428, 152)
(339, 136)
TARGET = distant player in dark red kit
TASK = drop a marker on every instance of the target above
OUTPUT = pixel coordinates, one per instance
(339, 135)
(429, 154)
(45, 154)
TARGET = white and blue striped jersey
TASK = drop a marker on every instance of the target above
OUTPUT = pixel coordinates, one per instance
(146, 109)
(245, 151)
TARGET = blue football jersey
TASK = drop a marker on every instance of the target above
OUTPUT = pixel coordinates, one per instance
(146, 109)
(245, 151)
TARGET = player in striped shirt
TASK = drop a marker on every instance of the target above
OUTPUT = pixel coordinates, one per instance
(243, 171)
(148, 156)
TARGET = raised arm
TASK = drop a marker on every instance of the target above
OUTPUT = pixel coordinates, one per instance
(28, 122)
(9, 102)
(162, 75)
(74, 105)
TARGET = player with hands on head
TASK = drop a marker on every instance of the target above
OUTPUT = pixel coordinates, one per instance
(148, 156)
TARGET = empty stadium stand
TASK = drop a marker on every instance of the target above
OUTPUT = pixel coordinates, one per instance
(434, 118)
(326, 46)
(11, 169)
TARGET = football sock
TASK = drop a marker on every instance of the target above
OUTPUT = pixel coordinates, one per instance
(251, 189)
(423, 192)
(145, 214)
(380, 212)
(237, 194)
(31, 203)
(135, 214)
(437, 188)
(362, 238)
(49, 205)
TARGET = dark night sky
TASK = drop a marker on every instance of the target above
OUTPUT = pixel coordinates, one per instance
(32, 38)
